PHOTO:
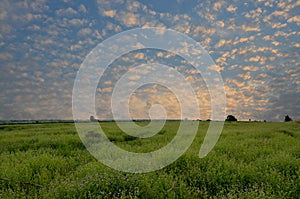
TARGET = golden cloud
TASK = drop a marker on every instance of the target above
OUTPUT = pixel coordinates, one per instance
(295, 19)
(231, 8)
(109, 13)
(250, 68)
(254, 59)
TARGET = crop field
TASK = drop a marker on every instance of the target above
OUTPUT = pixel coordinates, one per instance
(250, 160)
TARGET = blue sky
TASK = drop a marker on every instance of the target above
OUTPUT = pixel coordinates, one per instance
(255, 44)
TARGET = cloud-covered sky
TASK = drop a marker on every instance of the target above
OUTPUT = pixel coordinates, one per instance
(255, 46)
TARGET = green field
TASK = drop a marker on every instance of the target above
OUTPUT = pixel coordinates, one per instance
(250, 160)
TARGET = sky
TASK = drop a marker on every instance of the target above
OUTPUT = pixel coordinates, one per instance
(255, 45)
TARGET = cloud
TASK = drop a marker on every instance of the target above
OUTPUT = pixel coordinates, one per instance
(39, 6)
(82, 8)
(254, 59)
(221, 43)
(139, 56)
(295, 19)
(250, 68)
(275, 43)
(66, 12)
(84, 31)
(77, 22)
(218, 5)
(5, 56)
(231, 8)
(254, 45)
(109, 13)
(216, 68)
(243, 39)
(250, 29)
(129, 19)
(245, 76)
(220, 23)
(3, 15)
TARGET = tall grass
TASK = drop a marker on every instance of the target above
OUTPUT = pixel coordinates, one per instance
(250, 160)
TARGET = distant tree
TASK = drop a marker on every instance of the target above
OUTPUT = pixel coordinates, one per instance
(230, 118)
(92, 118)
(287, 118)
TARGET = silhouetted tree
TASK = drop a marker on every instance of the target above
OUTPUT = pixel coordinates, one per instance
(92, 118)
(230, 118)
(287, 118)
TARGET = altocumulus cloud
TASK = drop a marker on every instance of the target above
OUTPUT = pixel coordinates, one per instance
(254, 44)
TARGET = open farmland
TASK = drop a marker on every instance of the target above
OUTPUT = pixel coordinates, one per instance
(250, 160)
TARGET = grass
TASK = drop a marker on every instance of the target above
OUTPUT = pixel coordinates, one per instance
(250, 160)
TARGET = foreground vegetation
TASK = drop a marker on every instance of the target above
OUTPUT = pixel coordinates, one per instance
(251, 160)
